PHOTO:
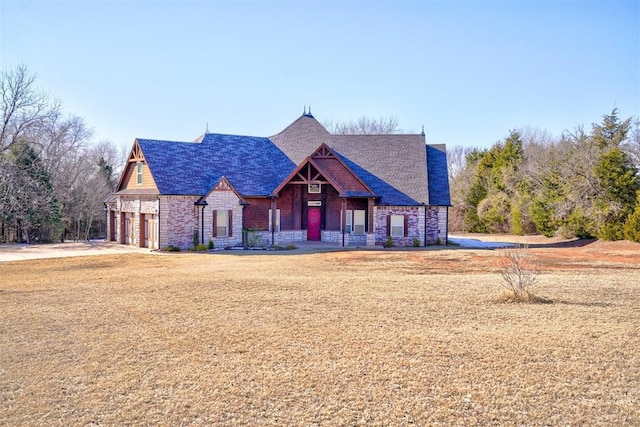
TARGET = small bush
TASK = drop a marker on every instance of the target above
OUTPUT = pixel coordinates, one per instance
(518, 269)
(528, 297)
(291, 247)
(611, 232)
(631, 227)
(416, 242)
(389, 242)
(198, 248)
(211, 245)
(251, 237)
(171, 248)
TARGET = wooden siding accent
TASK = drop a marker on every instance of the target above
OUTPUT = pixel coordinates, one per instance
(131, 178)
(338, 173)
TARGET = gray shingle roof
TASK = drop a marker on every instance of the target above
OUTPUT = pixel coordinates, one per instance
(438, 175)
(254, 166)
(393, 166)
(395, 160)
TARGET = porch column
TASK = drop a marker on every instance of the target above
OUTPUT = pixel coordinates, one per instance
(370, 215)
(343, 226)
(122, 227)
(273, 221)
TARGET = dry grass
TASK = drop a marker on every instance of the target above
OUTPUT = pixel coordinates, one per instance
(345, 338)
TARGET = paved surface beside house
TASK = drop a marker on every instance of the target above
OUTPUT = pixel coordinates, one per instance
(18, 252)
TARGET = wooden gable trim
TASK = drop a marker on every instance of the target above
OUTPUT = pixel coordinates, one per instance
(223, 184)
(322, 152)
(327, 152)
(306, 179)
(135, 157)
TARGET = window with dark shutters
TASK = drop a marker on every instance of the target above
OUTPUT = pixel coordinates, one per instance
(215, 225)
(230, 224)
(406, 225)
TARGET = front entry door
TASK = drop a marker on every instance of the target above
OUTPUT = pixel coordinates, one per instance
(313, 227)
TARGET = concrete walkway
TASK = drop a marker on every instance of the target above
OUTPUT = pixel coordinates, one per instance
(19, 252)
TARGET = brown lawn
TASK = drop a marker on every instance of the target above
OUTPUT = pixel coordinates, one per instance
(343, 338)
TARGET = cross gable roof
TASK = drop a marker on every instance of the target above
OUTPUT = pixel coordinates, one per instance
(333, 169)
(394, 166)
(397, 169)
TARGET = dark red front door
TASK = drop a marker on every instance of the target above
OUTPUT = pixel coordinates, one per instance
(313, 227)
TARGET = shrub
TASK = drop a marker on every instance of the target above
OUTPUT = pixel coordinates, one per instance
(579, 224)
(389, 242)
(291, 247)
(632, 224)
(610, 231)
(251, 237)
(211, 245)
(518, 269)
(198, 248)
(416, 242)
(171, 248)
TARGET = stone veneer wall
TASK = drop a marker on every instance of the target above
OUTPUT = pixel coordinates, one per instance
(136, 207)
(263, 238)
(443, 212)
(223, 199)
(415, 224)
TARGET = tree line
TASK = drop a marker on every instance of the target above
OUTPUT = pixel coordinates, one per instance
(53, 178)
(581, 184)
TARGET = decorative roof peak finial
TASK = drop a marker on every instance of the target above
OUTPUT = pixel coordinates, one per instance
(207, 128)
(304, 110)
(422, 133)
(310, 111)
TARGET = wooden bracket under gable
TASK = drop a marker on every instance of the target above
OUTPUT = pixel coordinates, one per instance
(136, 154)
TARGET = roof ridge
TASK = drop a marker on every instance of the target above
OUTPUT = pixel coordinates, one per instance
(295, 122)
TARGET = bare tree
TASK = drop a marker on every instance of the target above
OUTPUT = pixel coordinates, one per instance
(632, 144)
(518, 269)
(22, 107)
(364, 126)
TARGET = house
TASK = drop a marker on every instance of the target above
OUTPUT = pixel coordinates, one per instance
(302, 184)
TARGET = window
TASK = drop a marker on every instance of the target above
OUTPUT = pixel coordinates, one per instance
(397, 226)
(222, 223)
(354, 223)
(348, 222)
(358, 222)
(139, 170)
(277, 228)
(315, 187)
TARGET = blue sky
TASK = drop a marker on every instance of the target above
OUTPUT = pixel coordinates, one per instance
(467, 70)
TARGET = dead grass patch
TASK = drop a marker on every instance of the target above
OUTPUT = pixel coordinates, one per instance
(347, 338)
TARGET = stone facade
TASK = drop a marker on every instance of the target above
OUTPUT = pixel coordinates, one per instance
(415, 224)
(436, 218)
(175, 218)
(126, 223)
(223, 198)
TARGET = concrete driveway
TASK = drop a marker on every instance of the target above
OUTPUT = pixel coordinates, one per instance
(18, 252)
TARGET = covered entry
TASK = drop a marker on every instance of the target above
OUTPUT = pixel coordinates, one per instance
(323, 197)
